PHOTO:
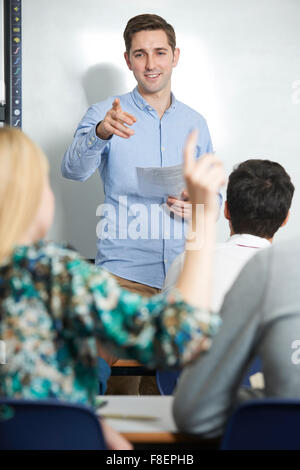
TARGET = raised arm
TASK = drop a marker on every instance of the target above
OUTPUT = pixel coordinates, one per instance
(203, 178)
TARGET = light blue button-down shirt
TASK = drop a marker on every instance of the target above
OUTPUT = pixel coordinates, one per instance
(146, 254)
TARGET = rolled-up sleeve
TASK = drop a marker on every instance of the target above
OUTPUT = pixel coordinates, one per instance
(84, 155)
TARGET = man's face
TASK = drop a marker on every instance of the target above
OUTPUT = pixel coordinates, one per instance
(151, 60)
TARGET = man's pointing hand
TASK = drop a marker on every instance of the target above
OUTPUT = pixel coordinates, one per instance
(114, 123)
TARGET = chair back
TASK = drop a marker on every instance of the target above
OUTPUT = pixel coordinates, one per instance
(48, 425)
(167, 380)
(255, 366)
(268, 424)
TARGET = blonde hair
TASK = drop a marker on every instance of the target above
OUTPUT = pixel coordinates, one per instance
(23, 167)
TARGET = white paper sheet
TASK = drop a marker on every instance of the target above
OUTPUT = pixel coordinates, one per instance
(161, 182)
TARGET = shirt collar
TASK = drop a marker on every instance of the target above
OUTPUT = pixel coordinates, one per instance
(247, 240)
(142, 103)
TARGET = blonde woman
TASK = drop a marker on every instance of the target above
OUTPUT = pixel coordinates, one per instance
(56, 308)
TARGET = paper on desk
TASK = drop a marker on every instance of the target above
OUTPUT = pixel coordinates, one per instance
(257, 381)
(161, 182)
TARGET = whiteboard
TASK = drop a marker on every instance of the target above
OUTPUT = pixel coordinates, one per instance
(2, 84)
(239, 67)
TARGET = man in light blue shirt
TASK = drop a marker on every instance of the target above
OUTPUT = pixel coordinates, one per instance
(138, 236)
(144, 128)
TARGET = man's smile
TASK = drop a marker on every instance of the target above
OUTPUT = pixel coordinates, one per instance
(152, 76)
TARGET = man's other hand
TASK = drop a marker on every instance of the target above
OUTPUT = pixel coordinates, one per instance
(181, 207)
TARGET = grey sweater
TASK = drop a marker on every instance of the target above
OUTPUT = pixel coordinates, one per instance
(261, 316)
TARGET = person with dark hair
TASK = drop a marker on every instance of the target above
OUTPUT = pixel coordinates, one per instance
(259, 196)
(148, 22)
(144, 128)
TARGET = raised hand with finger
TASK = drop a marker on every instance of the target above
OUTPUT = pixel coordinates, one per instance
(203, 177)
(116, 122)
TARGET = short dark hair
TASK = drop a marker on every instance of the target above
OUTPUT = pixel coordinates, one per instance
(148, 22)
(259, 195)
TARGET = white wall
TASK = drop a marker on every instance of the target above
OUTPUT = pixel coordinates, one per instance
(239, 63)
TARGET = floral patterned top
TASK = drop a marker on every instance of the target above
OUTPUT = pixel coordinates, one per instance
(54, 306)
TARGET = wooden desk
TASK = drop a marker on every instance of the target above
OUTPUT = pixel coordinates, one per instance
(128, 367)
(161, 430)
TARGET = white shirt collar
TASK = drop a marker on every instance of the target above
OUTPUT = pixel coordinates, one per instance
(247, 240)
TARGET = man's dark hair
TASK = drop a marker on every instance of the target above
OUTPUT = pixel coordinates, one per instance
(148, 22)
(259, 195)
